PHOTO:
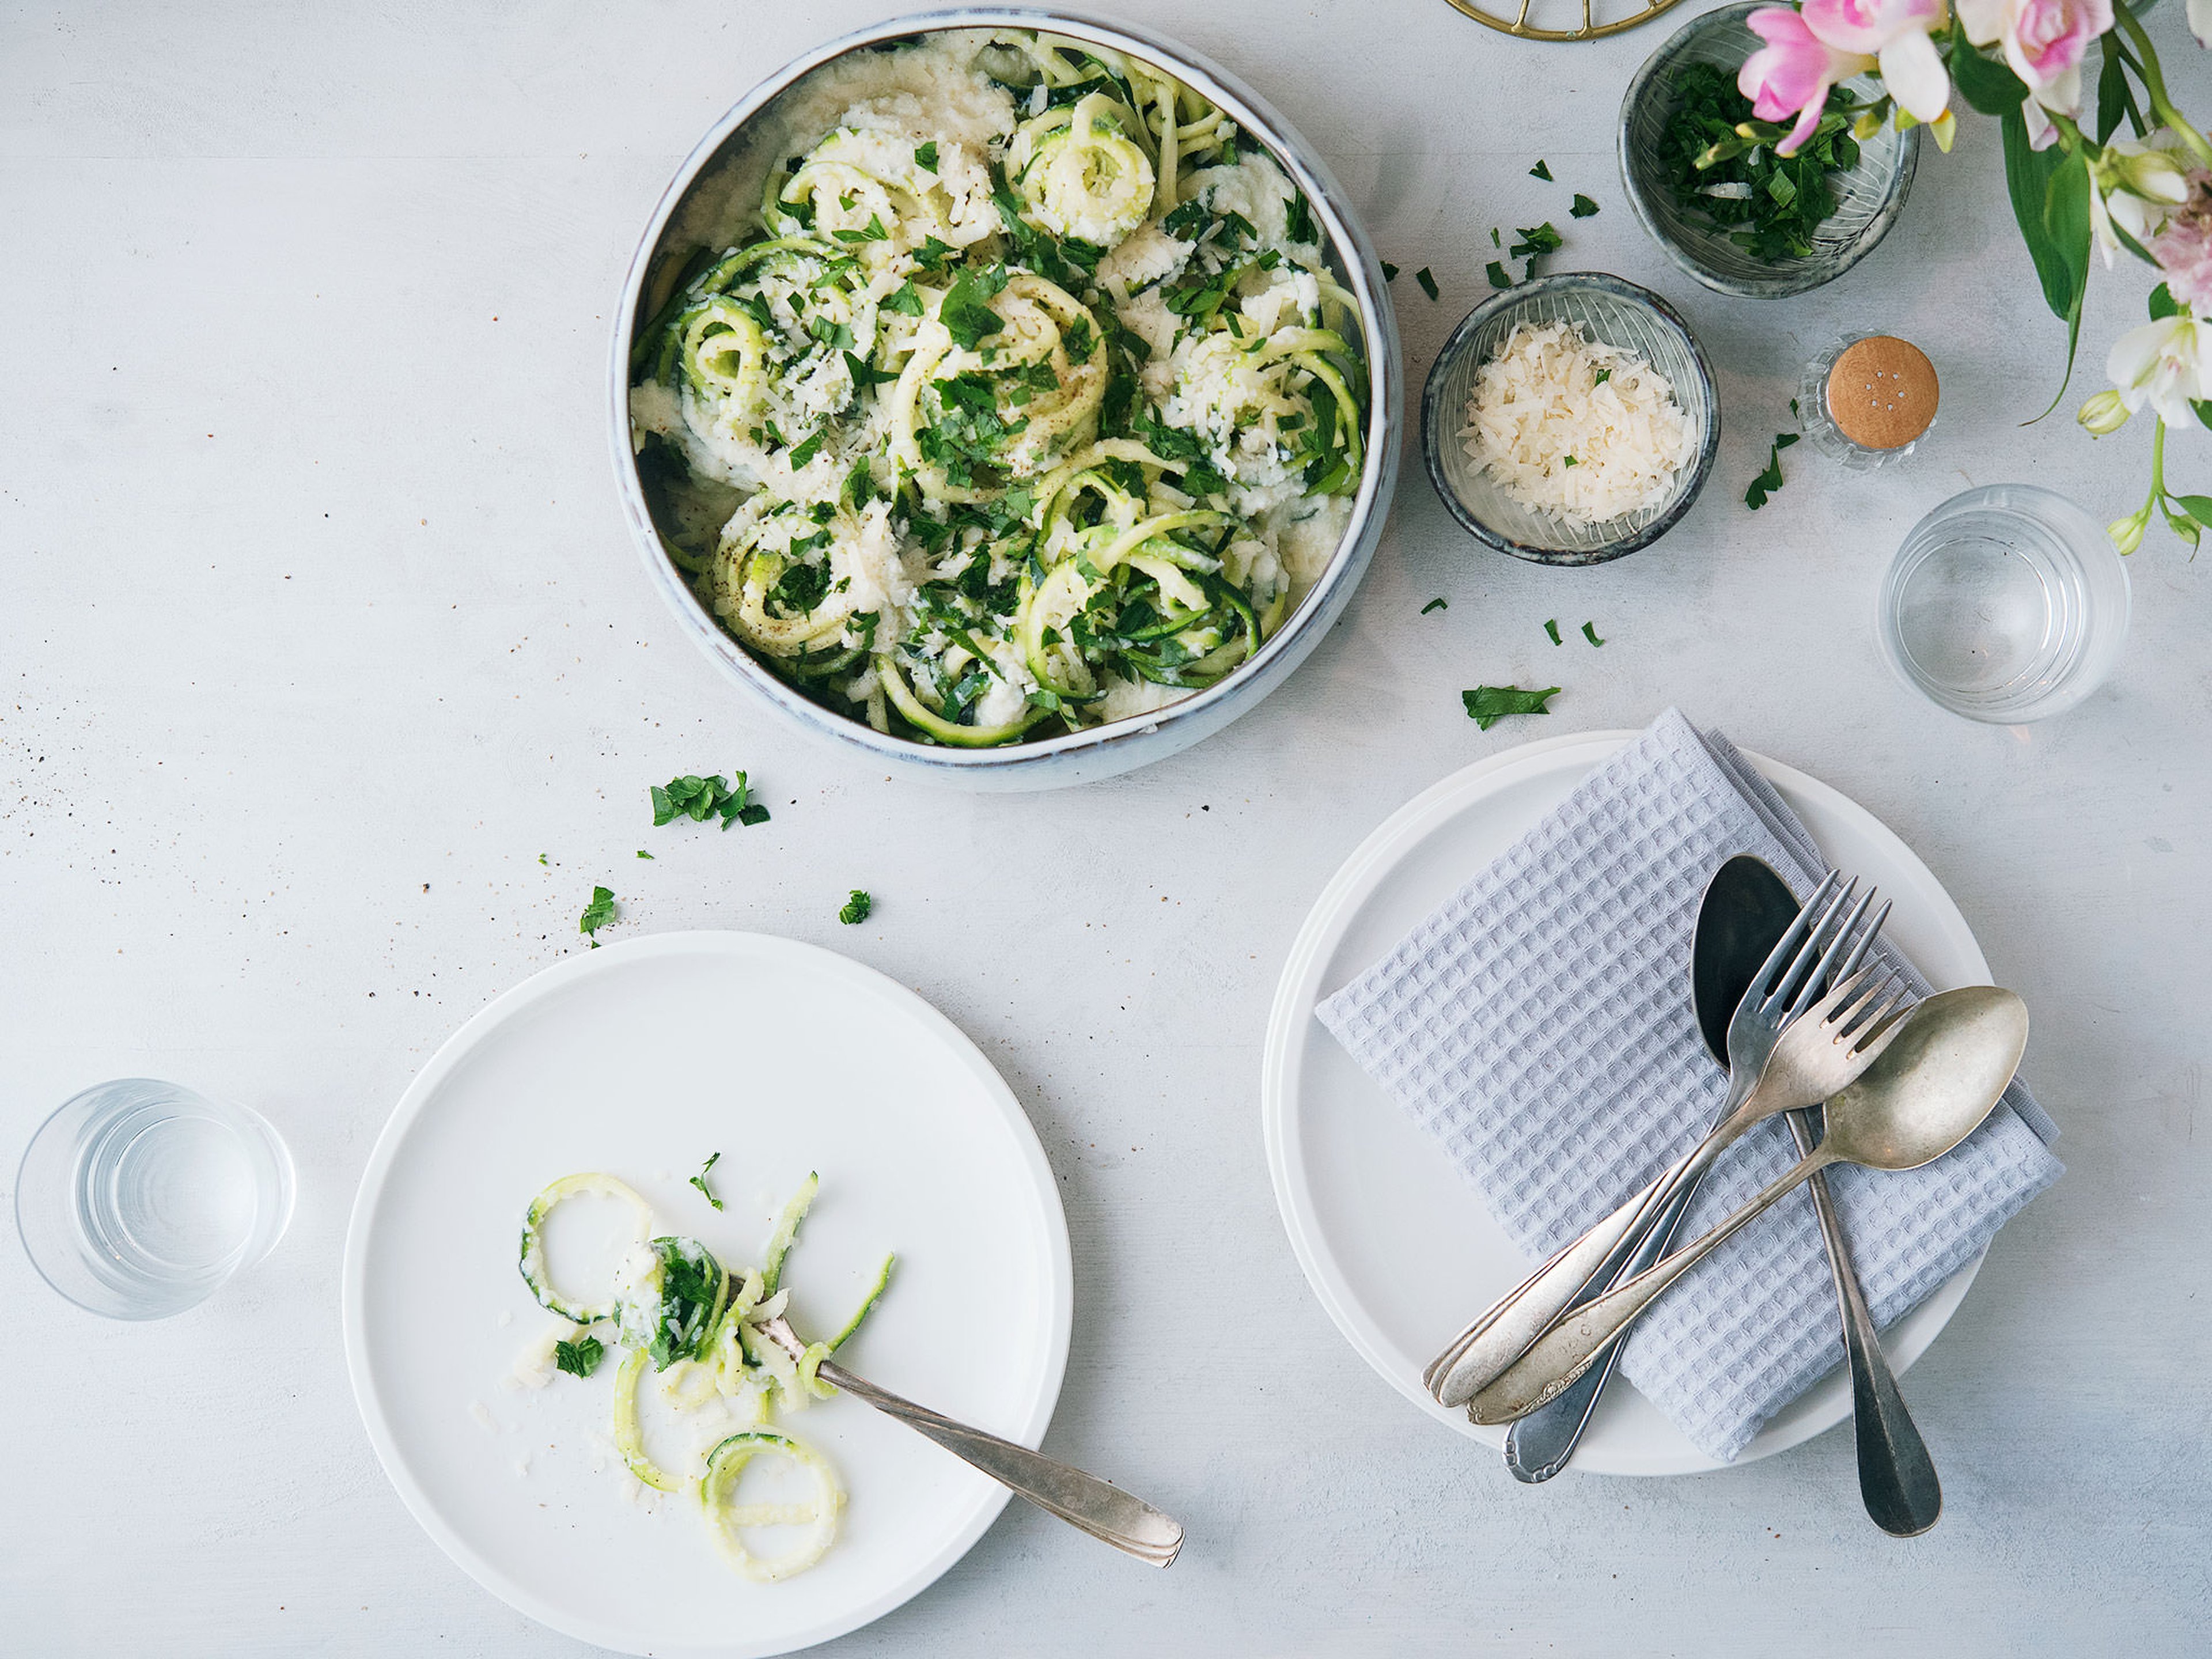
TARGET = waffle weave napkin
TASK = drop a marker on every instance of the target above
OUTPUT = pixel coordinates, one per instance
(1538, 1024)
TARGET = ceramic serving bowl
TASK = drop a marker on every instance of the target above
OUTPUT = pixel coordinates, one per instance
(1079, 756)
(1869, 196)
(1613, 312)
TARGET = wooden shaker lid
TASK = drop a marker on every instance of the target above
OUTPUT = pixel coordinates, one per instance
(1882, 392)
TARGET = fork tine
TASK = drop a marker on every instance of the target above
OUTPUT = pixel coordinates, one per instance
(1850, 1008)
(1800, 987)
(1894, 1007)
(1851, 963)
(1823, 973)
(1785, 948)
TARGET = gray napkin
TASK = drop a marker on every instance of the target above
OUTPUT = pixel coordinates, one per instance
(1538, 1025)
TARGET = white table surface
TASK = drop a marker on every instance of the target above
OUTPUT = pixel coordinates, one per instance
(321, 625)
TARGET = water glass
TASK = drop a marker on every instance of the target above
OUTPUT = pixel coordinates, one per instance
(2006, 604)
(136, 1199)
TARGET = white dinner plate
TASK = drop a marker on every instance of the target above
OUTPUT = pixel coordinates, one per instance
(1394, 1239)
(640, 1060)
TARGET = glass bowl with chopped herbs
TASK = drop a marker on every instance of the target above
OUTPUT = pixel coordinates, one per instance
(1011, 398)
(1702, 178)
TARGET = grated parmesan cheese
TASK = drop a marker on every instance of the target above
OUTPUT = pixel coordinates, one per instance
(1576, 428)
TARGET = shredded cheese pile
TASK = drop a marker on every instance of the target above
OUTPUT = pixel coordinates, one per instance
(1581, 430)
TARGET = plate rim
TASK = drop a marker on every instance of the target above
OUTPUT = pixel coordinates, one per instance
(475, 1030)
(1295, 996)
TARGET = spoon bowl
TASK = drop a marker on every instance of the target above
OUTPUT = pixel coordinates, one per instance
(1934, 1085)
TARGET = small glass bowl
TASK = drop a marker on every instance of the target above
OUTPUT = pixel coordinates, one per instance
(1869, 196)
(2007, 604)
(1615, 313)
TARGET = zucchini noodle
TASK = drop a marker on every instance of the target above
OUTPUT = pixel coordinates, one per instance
(1017, 406)
(694, 1327)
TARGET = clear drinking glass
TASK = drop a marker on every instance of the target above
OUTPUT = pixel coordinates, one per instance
(2006, 604)
(136, 1199)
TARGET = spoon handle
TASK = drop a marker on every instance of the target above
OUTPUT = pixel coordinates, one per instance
(1579, 1340)
(1897, 1478)
(1084, 1501)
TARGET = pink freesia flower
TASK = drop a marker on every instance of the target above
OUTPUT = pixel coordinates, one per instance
(1790, 75)
(1895, 33)
(2166, 364)
(2044, 42)
(2184, 248)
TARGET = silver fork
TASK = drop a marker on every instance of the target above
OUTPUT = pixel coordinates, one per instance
(1787, 987)
(1840, 1036)
(1084, 1501)
(1540, 1444)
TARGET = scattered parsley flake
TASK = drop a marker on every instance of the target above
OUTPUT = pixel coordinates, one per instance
(700, 1180)
(925, 156)
(541, 858)
(1583, 207)
(1496, 273)
(1589, 633)
(1496, 240)
(1435, 604)
(1427, 279)
(1553, 629)
(597, 914)
(700, 798)
(1770, 480)
(1389, 271)
(1487, 705)
(1604, 375)
(642, 854)
(856, 908)
(581, 1358)
(1540, 171)
(1571, 461)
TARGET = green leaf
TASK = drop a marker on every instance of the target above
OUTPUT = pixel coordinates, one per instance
(1389, 271)
(1589, 633)
(700, 1180)
(2203, 408)
(1427, 279)
(1583, 207)
(807, 451)
(597, 914)
(2199, 508)
(1487, 705)
(2050, 191)
(925, 156)
(1770, 480)
(664, 810)
(2161, 303)
(967, 313)
(856, 908)
(1496, 271)
(581, 1358)
(1985, 83)
(1435, 604)
(642, 854)
(905, 299)
(1540, 171)
(1553, 629)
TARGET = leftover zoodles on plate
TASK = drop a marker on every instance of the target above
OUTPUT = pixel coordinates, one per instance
(691, 1326)
(1009, 394)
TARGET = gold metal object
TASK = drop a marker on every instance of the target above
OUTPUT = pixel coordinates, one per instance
(1517, 24)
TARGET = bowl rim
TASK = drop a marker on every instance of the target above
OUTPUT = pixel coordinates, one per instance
(1433, 436)
(1798, 276)
(1314, 611)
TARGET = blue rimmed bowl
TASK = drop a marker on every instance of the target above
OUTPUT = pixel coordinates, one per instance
(1614, 312)
(1869, 196)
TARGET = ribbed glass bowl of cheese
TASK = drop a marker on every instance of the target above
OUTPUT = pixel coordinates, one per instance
(1052, 491)
(1607, 312)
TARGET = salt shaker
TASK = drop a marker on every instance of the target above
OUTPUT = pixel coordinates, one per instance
(1865, 402)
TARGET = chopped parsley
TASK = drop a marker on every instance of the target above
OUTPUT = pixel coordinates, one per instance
(967, 314)
(873, 231)
(1571, 461)
(700, 1180)
(1771, 204)
(642, 854)
(856, 908)
(1583, 207)
(1540, 171)
(597, 914)
(581, 1358)
(1496, 271)
(925, 156)
(1435, 604)
(1536, 242)
(1589, 633)
(904, 299)
(700, 798)
(1553, 629)
(1427, 279)
(1770, 480)
(1389, 271)
(1604, 375)
(807, 451)
(1487, 705)
(930, 256)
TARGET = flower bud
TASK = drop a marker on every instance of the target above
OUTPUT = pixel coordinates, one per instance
(2103, 415)
(2156, 175)
(2127, 533)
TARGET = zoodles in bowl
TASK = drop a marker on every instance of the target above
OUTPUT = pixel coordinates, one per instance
(1007, 393)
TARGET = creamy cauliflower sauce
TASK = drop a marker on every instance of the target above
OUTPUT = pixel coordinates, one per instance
(1007, 394)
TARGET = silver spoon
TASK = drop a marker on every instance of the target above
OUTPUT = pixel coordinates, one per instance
(1747, 907)
(1084, 1501)
(1939, 1077)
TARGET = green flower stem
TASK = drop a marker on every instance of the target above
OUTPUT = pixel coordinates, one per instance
(2154, 86)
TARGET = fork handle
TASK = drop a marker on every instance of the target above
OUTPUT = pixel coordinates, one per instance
(1084, 1501)
(1583, 1337)
(1897, 1476)
(1481, 1353)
